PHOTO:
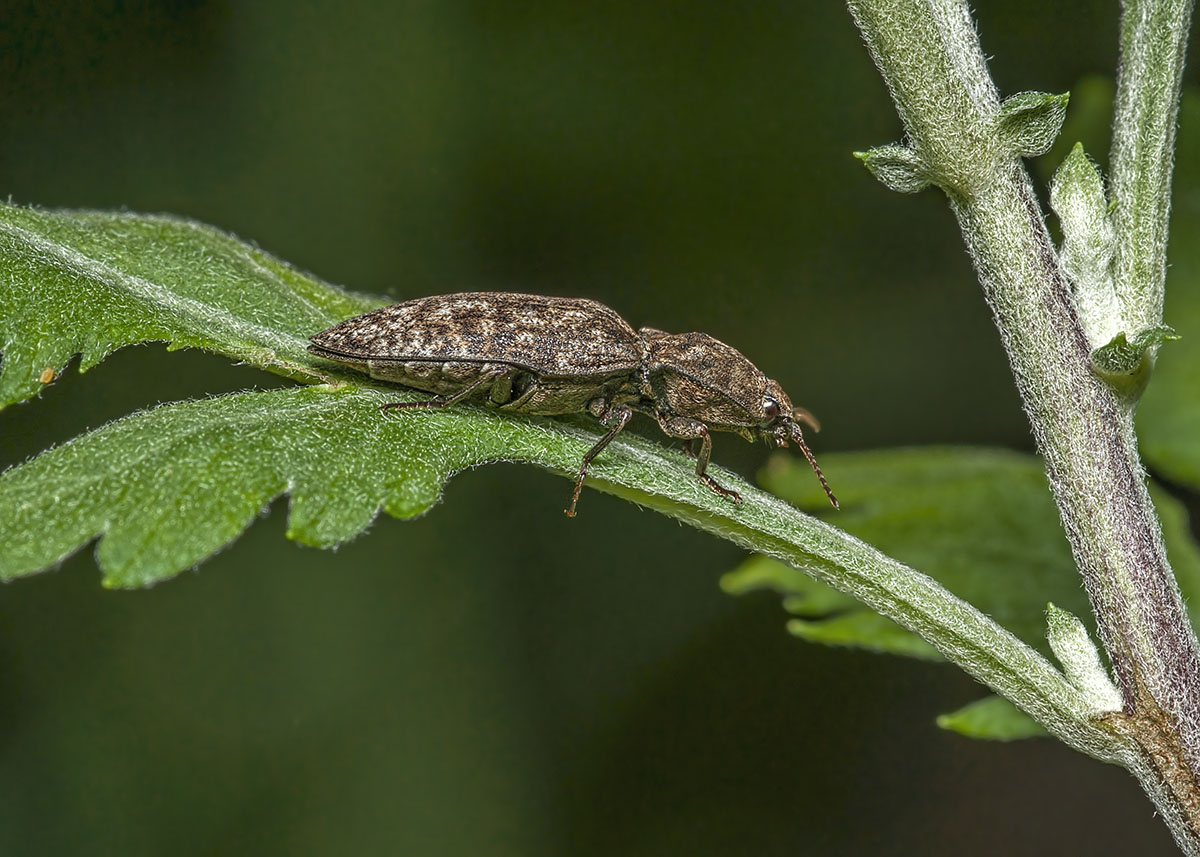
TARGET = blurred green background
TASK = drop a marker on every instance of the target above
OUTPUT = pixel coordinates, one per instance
(494, 678)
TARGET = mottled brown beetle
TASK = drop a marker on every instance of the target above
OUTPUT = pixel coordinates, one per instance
(544, 355)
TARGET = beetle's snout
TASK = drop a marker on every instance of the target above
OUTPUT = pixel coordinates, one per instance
(777, 435)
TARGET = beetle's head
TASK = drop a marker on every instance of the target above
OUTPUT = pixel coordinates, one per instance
(781, 419)
(695, 376)
(781, 423)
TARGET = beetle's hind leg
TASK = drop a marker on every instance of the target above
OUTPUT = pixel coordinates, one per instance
(495, 375)
(689, 430)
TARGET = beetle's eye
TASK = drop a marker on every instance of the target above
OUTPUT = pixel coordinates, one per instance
(770, 407)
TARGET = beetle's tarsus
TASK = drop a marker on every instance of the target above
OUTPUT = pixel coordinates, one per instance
(720, 490)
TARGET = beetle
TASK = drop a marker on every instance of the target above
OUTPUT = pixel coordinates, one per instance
(534, 354)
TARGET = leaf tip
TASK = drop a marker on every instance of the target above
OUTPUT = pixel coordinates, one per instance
(1029, 122)
(899, 168)
(992, 718)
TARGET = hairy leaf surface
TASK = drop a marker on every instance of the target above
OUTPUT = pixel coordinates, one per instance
(87, 283)
(167, 487)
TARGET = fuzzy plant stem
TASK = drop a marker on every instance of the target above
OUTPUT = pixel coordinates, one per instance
(1153, 41)
(963, 139)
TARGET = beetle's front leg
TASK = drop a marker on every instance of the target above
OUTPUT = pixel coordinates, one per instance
(688, 430)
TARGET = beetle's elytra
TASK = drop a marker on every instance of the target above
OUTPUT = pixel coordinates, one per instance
(546, 355)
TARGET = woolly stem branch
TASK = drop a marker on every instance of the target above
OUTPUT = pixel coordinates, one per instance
(930, 57)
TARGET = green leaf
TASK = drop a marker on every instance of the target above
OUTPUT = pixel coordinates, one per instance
(1029, 122)
(85, 282)
(863, 629)
(826, 615)
(166, 488)
(898, 167)
(992, 718)
(1168, 415)
(805, 596)
(980, 521)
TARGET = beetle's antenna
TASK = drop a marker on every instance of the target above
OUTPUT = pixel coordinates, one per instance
(798, 438)
(806, 416)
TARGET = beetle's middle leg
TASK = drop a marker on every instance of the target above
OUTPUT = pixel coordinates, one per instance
(622, 414)
(688, 430)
